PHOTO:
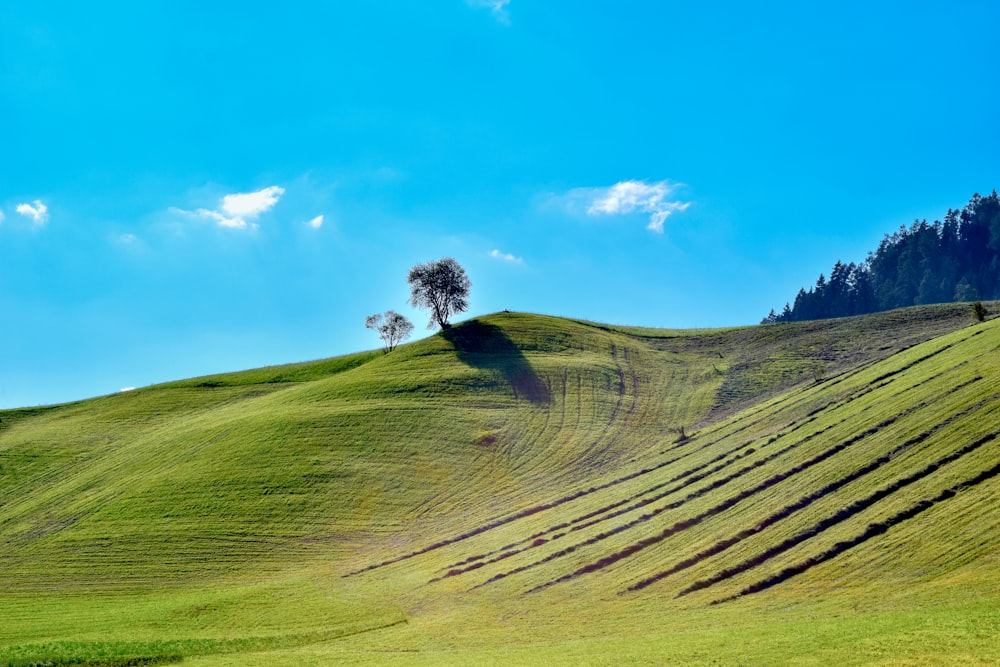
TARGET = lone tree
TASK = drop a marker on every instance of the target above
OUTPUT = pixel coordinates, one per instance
(979, 311)
(392, 328)
(442, 287)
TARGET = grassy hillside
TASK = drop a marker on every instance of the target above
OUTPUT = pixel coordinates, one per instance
(518, 489)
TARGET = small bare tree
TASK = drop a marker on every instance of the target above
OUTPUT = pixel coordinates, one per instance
(392, 328)
(442, 287)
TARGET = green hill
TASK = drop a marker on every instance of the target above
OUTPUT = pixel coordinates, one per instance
(525, 489)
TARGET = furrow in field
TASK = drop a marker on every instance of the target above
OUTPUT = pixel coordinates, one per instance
(580, 523)
(695, 474)
(873, 530)
(491, 525)
(727, 504)
(793, 399)
(842, 515)
(615, 509)
(808, 500)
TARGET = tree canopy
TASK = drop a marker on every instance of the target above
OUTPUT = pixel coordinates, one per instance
(954, 260)
(392, 328)
(442, 287)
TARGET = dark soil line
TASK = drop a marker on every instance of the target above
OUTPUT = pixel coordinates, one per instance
(519, 515)
(837, 379)
(538, 539)
(832, 520)
(619, 503)
(873, 530)
(579, 494)
(805, 501)
(565, 499)
(881, 380)
(809, 417)
(727, 504)
(919, 360)
(757, 416)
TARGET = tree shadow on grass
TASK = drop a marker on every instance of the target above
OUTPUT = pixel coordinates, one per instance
(486, 346)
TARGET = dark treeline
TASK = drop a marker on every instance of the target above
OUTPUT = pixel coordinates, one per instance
(954, 260)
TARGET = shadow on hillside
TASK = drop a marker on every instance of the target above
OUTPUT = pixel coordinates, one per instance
(486, 346)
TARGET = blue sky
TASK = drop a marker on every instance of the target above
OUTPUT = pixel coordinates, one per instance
(189, 188)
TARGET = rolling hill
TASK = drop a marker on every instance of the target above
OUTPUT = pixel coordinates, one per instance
(526, 489)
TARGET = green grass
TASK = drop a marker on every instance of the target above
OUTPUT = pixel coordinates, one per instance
(516, 490)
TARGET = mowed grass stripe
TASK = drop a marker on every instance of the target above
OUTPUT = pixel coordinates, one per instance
(717, 509)
(844, 514)
(608, 512)
(805, 501)
(873, 530)
(538, 540)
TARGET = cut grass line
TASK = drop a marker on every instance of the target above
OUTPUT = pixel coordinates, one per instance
(805, 501)
(873, 530)
(581, 523)
(842, 515)
(573, 524)
(788, 402)
(919, 360)
(679, 526)
(535, 509)
(684, 524)
(538, 539)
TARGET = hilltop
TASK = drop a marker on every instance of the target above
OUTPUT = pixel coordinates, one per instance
(524, 488)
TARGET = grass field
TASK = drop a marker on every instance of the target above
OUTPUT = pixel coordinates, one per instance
(523, 489)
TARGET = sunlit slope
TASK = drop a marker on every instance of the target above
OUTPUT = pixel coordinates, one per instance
(885, 472)
(513, 481)
(265, 464)
(873, 491)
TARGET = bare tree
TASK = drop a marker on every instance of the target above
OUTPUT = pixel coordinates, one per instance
(442, 287)
(392, 328)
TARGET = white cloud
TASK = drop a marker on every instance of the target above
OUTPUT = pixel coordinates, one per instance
(630, 196)
(224, 221)
(238, 211)
(505, 256)
(251, 204)
(38, 212)
(316, 222)
(1, 216)
(123, 389)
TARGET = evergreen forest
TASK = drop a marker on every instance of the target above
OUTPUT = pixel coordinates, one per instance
(954, 260)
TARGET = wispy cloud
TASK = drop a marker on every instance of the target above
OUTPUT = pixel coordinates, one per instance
(497, 7)
(629, 196)
(37, 211)
(1, 216)
(505, 256)
(316, 222)
(251, 204)
(240, 210)
(125, 239)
